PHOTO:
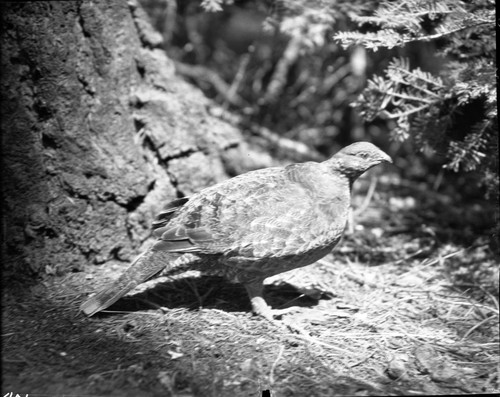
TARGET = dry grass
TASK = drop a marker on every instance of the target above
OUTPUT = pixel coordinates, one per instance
(398, 309)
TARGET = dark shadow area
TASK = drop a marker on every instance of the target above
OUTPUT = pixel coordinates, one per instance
(448, 216)
(210, 292)
(455, 230)
(443, 215)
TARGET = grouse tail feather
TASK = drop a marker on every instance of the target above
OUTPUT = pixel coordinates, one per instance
(142, 268)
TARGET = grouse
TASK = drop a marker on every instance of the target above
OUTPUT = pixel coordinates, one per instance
(252, 226)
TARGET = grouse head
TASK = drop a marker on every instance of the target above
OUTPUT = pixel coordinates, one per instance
(354, 160)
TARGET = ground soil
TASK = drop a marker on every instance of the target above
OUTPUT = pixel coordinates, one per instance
(406, 305)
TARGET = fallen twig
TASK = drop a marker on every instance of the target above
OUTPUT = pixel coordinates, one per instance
(368, 197)
(271, 375)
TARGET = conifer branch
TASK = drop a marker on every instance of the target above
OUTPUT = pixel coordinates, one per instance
(455, 116)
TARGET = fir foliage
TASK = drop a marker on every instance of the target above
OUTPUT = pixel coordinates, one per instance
(454, 114)
(212, 5)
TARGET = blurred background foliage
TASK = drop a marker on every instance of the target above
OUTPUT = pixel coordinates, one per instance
(416, 77)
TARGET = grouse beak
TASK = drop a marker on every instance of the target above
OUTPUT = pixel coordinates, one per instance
(385, 158)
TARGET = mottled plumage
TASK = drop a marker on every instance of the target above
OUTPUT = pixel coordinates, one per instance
(252, 226)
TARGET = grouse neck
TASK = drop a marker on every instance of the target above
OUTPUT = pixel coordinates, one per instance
(339, 166)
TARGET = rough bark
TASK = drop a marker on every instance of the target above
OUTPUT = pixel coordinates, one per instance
(97, 133)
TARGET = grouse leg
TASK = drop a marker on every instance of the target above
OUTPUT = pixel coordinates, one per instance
(259, 306)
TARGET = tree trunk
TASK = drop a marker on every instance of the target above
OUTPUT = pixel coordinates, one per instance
(97, 134)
